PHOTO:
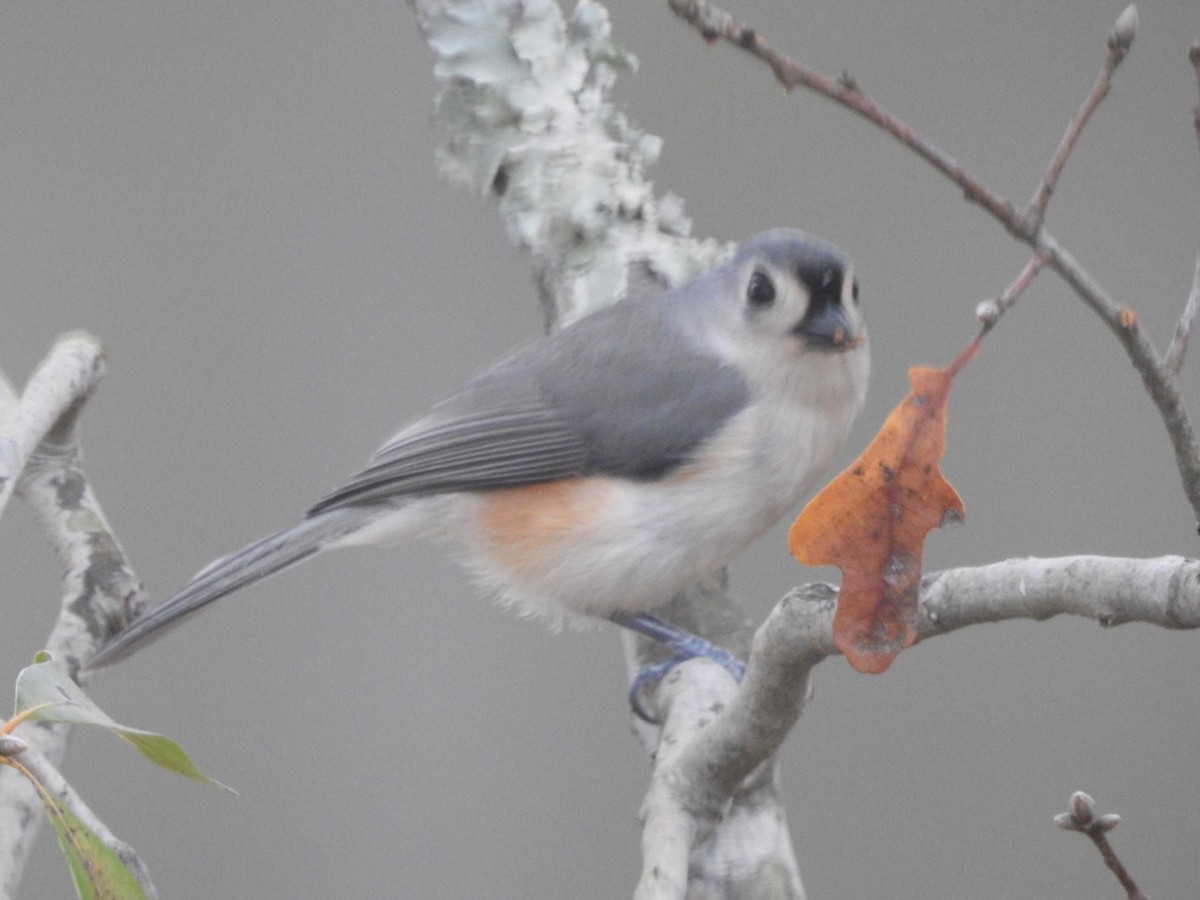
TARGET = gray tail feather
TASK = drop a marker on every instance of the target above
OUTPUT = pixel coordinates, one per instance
(228, 574)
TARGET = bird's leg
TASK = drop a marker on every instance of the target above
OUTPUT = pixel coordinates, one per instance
(684, 645)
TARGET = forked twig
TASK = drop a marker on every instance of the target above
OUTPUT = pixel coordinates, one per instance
(1027, 225)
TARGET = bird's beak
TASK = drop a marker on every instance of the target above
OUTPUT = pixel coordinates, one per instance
(827, 327)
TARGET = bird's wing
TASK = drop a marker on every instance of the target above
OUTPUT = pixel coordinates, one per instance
(618, 393)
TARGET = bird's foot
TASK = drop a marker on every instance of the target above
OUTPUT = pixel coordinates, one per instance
(685, 646)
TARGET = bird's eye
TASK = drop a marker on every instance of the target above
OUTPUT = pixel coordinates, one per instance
(760, 291)
(854, 290)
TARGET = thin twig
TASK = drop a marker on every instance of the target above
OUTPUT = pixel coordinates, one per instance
(1026, 225)
(1194, 56)
(1173, 363)
(1119, 42)
(1083, 819)
(1132, 891)
(714, 23)
(989, 311)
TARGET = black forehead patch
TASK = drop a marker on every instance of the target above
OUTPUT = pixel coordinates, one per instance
(823, 278)
(816, 263)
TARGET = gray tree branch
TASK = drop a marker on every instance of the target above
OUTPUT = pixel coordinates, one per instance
(41, 460)
(737, 730)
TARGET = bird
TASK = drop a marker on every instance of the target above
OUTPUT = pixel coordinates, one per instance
(605, 467)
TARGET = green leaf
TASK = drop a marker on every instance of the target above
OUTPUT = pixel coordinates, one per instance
(46, 692)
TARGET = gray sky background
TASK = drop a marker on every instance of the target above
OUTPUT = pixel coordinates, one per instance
(240, 200)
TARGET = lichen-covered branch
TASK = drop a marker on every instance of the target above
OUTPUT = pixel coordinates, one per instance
(524, 105)
(41, 460)
(59, 385)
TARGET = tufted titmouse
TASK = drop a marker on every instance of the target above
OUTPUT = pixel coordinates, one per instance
(606, 467)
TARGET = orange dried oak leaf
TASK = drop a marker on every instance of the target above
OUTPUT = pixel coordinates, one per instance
(871, 522)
